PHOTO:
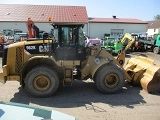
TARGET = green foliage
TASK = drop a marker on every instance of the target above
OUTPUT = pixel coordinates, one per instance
(157, 17)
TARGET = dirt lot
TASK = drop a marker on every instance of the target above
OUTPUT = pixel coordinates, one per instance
(84, 102)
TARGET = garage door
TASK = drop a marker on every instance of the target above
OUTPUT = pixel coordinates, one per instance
(116, 32)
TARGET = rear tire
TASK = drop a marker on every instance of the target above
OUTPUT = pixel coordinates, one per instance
(109, 79)
(41, 81)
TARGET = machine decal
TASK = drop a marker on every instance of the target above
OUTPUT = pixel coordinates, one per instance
(37, 48)
(97, 61)
(30, 47)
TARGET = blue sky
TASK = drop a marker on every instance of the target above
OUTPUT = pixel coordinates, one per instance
(139, 9)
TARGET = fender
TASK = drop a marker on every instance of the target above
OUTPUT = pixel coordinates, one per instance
(98, 62)
(94, 62)
(33, 61)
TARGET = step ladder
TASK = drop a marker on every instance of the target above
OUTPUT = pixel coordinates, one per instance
(68, 77)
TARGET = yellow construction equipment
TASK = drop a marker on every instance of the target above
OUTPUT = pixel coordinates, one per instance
(140, 70)
(144, 72)
(128, 40)
(41, 65)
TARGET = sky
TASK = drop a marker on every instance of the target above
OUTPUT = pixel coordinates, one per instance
(139, 9)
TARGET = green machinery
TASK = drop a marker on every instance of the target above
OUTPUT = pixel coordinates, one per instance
(110, 43)
(154, 44)
(147, 44)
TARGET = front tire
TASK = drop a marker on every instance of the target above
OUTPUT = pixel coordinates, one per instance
(41, 81)
(109, 79)
(156, 50)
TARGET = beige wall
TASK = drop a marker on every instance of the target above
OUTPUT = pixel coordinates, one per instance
(92, 29)
(98, 29)
(23, 26)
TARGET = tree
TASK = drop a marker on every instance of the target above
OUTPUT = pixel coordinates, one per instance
(157, 17)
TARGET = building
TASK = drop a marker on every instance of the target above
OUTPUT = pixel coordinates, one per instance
(97, 27)
(15, 16)
(153, 27)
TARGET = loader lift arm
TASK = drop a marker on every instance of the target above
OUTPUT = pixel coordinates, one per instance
(121, 55)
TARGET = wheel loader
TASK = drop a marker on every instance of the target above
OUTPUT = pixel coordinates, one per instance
(42, 65)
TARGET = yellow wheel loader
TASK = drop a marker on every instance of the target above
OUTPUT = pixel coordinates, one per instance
(41, 65)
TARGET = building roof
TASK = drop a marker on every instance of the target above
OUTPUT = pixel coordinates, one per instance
(41, 13)
(153, 24)
(117, 20)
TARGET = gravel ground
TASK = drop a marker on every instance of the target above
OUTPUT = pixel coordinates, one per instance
(84, 102)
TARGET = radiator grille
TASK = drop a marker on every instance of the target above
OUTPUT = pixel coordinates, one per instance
(19, 55)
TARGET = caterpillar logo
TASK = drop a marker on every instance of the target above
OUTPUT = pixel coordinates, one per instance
(43, 48)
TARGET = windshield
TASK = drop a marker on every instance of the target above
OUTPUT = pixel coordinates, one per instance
(17, 31)
(55, 34)
(8, 32)
(68, 35)
(81, 37)
(110, 41)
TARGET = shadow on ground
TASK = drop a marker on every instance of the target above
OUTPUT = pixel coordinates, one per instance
(81, 94)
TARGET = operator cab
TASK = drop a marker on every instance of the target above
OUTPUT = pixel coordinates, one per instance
(69, 42)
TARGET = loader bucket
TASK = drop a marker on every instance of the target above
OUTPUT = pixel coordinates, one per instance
(144, 72)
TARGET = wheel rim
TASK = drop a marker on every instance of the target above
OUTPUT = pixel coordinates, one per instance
(155, 50)
(42, 83)
(111, 80)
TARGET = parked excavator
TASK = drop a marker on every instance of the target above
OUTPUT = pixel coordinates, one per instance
(33, 30)
(41, 65)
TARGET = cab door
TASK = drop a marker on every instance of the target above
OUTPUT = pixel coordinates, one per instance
(158, 41)
(71, 43)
